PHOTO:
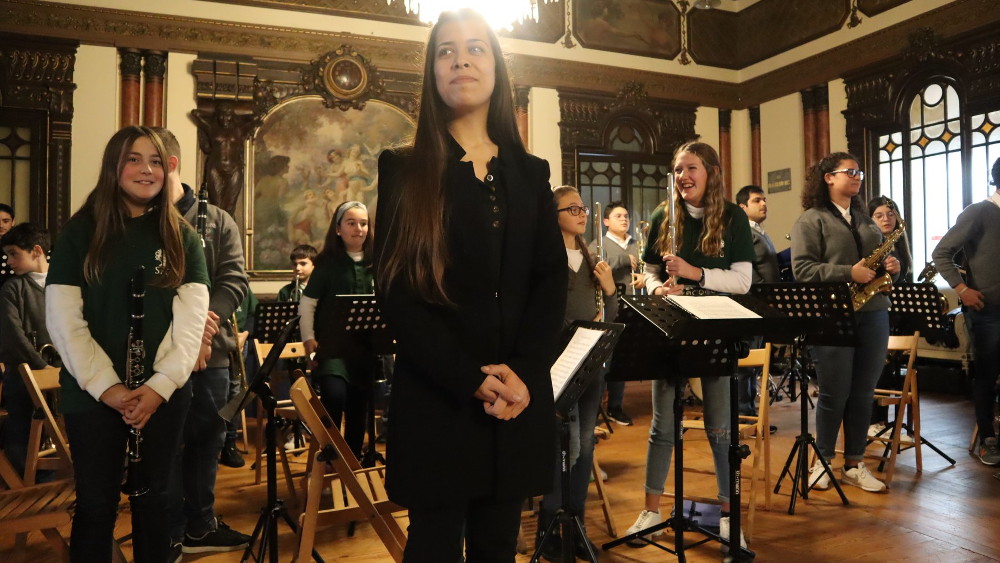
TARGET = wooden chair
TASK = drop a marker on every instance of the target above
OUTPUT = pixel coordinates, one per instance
(907, 403)
(358, 494)
(44, 425)
(756, 427)
(27, 508)
(602, 494)
(284, 410)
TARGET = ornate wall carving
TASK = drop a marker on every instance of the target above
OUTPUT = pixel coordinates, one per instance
(586, 121)
(873, 7)
(878, 97)
(37, 74)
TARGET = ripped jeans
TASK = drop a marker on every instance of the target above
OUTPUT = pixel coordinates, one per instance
(715, 391)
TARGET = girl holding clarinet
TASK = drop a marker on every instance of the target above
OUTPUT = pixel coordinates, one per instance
(127, 222)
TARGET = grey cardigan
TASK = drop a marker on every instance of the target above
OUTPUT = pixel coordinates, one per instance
(977, 231)
(824, 250)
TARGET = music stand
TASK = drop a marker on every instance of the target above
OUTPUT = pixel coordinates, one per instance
(355, 329)
(662, 341)
(915, 307)
(826, 316)
(266, 530)
(566, 518)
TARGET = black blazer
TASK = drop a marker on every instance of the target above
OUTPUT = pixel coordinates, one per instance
(507, 279)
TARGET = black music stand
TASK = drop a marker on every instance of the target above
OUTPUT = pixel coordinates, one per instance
(662, 341)
(356, 329)
(566, 519)
(266, 530)
(915, 307)
(826, 316)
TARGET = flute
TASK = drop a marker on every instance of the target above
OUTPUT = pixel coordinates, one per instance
(599, 238)
(671, 223)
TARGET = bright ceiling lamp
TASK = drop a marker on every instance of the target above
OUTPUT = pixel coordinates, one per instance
(500, 14)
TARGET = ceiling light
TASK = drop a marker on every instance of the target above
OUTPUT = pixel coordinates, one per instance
(499, 14)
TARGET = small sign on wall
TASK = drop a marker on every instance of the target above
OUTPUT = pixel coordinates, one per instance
(779, 180)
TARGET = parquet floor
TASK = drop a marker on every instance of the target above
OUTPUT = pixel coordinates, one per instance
(944, 515)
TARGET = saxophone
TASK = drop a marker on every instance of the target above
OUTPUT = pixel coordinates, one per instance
(862, 292)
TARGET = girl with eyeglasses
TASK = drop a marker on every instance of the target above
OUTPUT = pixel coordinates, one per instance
(830, 242)
(714, 252)
(471, 278)
(586, 277)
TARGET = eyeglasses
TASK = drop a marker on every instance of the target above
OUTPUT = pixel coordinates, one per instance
(851, 173)
(575, 210)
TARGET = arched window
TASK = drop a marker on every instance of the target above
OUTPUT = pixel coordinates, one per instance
(923, 167)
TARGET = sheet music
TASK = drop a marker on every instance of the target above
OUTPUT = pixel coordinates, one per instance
(713, 307)
(572, 357)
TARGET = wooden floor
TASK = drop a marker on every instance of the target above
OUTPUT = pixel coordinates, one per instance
(944, 515)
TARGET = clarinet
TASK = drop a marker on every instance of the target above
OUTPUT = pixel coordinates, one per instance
(135, 484)
(201, 219)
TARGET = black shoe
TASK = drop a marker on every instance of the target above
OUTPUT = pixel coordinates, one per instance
(552, 550)
(175, 553)
(230, 457)
(620, 417)
(773, 429)
(222, 538)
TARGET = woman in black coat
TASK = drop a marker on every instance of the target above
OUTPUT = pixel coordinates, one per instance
(471, 277)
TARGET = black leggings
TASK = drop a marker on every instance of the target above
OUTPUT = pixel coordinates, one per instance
(341, 398)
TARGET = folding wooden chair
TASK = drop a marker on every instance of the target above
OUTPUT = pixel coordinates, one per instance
(45, 425)
(757, 427)
(27, 508)
(907, 403)
(358, 494)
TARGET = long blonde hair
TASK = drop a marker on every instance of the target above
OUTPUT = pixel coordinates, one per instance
(710, 241)
(109, 211)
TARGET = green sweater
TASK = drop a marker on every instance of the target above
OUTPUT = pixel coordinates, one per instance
(339, 275)
(737, 241)
(106, 302)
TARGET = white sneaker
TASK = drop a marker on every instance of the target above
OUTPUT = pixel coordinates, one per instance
(860, 477)
(819, 478)
(646, 519)
(724, 534)
(874, 429)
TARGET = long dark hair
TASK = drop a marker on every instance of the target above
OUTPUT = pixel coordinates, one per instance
(710, 240)
(109, 211)
(817, 192)
(417, 248)
(334, 245)
(581, 245)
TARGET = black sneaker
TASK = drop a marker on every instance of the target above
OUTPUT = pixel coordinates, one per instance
(175, 553)
(222, 538)
(620, 417)
(230, 457)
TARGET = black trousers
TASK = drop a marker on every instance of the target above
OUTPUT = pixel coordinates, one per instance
(487, 527)
(97, 444)
(349, 400)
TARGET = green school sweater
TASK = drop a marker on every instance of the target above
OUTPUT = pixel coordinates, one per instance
(106, 303)
(339, 275)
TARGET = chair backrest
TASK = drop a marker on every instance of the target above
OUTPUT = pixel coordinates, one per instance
(908, 345)
(761, 358)
(44, 421)
(291, 350)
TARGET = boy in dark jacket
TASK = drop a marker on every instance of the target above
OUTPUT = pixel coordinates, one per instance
(22, 329)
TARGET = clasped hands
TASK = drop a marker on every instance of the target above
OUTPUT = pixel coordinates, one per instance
(135, 406)
(503, 394)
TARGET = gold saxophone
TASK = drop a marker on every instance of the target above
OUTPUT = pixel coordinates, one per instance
(237, 368)
(862, 292)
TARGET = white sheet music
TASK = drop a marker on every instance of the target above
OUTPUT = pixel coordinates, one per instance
(572, 357)
(713, 307)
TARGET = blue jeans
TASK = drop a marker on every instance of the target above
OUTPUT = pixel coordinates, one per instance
(985, 327)
(715, 391)
(97, 444)
(847, 377)
(191, 503)
(583, 417)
